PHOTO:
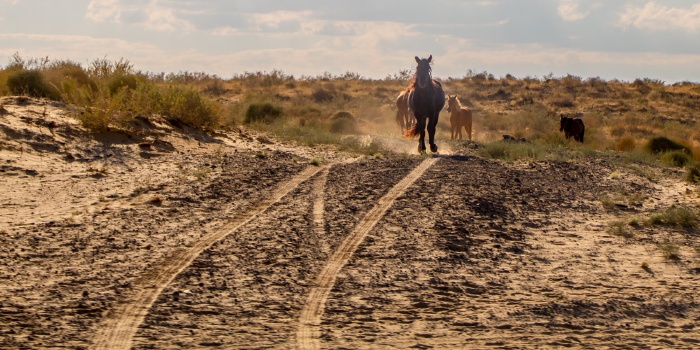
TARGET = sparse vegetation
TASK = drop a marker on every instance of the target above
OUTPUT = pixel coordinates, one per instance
(693, 174)
(646, 120)
(262, 112)
(670, 250)
(676, 158)
(619, 228)
(662, 144)
(675, 216)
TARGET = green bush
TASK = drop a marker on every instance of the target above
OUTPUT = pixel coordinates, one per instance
(663, 144)
(693, 175)
(262, 112)
(676, 159)
(30, 82)
(189, 106)
(122, 81)
(675, 216)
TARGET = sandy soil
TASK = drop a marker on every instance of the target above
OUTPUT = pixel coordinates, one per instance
(163, 237)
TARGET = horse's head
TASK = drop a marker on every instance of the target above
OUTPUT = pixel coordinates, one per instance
(452, 102)
(562, 122)
(423, 72)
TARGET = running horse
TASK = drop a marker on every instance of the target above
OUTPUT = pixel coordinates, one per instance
(460, 117)
(404, 117)
(425, 99)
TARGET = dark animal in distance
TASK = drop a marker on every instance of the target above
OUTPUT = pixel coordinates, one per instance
(404, 117)
(425, 100)
(460, 117)
(572, 127)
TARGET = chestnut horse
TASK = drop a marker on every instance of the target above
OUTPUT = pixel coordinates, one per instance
(572, 127)
(425, 100)
(404, 117)
(459, 117)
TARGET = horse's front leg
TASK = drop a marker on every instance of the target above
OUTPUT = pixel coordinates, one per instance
(432, 123)
(420, 124)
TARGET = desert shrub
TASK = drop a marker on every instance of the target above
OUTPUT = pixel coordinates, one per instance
(663, 144)
(343, 123)
(693, 174)
(675, 216)
(675, 158)
(563, 102)
(105, 69)
(626, 144)
(669, 250)
(68, 75)
(262, 112)
(122, 81)
(619, 228)
(30, 82)
(215, 87)
(189, 106)
(321, 95)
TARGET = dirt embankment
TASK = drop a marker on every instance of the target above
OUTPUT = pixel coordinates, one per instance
(163, 237)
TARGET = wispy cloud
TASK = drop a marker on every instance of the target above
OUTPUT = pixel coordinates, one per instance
(570, 10)
(155, 15)
(656, 17)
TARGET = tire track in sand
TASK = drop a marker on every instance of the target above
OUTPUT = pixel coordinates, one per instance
(308, 333)
(118, 329)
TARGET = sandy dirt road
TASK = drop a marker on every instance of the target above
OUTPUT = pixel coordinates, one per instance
(187, 240)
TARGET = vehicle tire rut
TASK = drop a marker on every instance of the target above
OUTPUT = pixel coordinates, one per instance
(119, 329)
(308, 333)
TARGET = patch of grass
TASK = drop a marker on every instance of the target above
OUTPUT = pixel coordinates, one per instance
(626, 144)
(619, 228)
(676, 158)
(201, 172)
(693, 174)
(640, 156)
(675, 216)
(607, 202)
(670, 250)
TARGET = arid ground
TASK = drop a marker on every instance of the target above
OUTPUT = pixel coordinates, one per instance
(165, 237)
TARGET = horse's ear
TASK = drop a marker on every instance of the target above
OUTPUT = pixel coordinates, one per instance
(417, 59)
(430, 59)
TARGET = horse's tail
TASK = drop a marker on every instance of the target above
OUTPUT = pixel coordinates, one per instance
(412, 132)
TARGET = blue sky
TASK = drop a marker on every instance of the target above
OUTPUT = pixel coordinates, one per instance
(623, 39)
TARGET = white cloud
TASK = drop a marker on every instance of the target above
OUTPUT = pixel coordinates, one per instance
(655, 17)
(570, 10)
(159, 15)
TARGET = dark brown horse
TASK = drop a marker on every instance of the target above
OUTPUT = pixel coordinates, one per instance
(425, 100)
(572, 127)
